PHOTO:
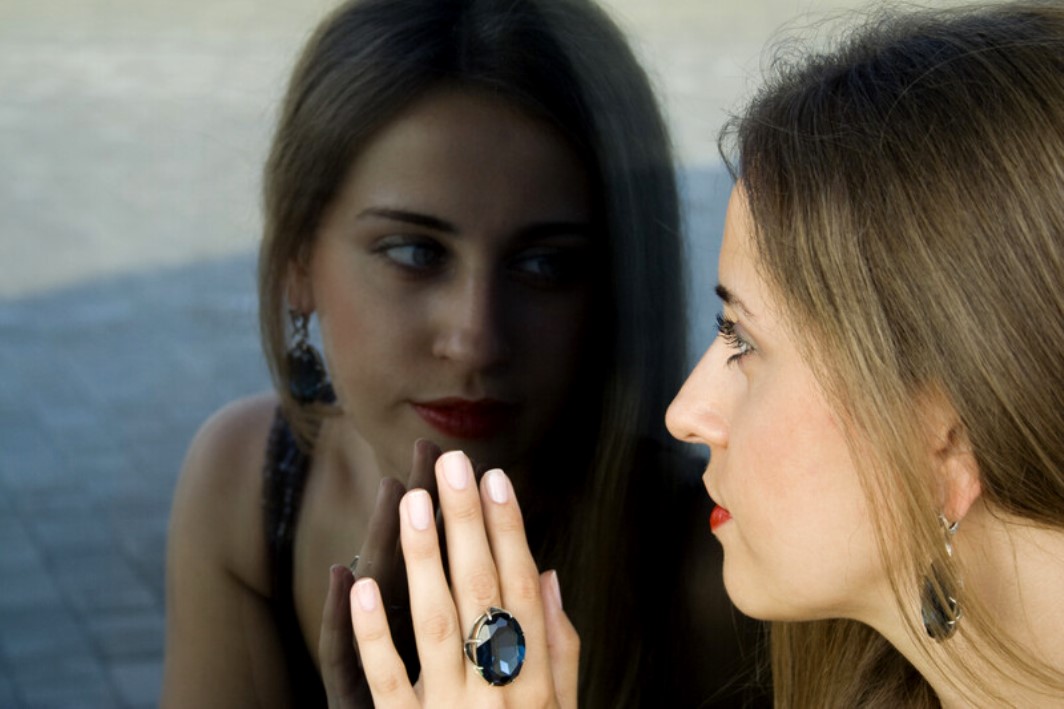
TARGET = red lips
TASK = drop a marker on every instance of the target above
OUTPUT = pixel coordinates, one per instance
(717, 517)
(465, 418)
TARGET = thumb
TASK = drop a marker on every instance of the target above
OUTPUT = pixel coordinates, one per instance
(563, 643)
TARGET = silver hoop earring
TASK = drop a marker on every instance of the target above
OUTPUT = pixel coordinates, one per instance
(307, 381)
(939, 608)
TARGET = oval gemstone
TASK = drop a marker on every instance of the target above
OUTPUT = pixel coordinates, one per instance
(500, 647)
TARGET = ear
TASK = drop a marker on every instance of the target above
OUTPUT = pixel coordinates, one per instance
(299, 290)
(953, 460)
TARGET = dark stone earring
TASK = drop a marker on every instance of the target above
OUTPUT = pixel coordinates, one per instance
(307, 381)
(939, 608)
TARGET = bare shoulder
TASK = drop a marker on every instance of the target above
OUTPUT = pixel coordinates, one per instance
(231, 440)
(217, 503)
(222, 646)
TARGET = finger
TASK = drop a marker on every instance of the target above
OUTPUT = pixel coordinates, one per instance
(336, 652)
(383, 668)
(563, 643)
(432, 609)
(378, 554)
(422, 469)
(381, 559)
(423, 475)
(519, 578)
(473, 575)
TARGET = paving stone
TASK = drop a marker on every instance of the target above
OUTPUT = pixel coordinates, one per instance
(142, 540)
(128, 636)
(95, 583)
(70, 680)
(36, 635)
(29, 459)
(138, 683)
(66, 493)
(16, 546)
(72, 532)
(7, 692)
(56, 387)
(27, 583)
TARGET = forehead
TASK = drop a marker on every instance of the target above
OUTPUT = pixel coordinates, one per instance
(462, 128)
(463, 152)
(737, 259)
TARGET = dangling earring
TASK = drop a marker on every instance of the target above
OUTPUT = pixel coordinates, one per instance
(307, 381)
(938, 606)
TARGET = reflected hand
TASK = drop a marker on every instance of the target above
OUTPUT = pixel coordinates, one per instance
(490, 566)
(380, 559)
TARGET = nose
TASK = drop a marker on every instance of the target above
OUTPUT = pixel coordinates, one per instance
(697, 414)
(470, 331)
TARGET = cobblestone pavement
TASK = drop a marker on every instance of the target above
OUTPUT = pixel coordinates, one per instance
(103, 386)
(131, 134)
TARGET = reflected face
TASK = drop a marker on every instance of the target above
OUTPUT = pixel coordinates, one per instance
(791, 514)
(452, 278)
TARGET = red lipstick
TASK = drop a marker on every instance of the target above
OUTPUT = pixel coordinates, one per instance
(717, 517)
(464, 418)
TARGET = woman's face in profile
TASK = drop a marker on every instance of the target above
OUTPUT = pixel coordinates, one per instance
(453, 280)
(792, 516)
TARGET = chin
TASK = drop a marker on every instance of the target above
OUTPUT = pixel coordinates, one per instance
(748, 596)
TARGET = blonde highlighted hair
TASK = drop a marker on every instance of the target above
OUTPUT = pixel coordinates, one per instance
(907, 190)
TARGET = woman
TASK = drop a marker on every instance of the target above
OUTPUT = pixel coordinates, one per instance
(475, 199)
(897, 225)
(883, 402)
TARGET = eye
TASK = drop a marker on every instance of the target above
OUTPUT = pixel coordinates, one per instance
(732, 338)
(549, 267)
(412, 254)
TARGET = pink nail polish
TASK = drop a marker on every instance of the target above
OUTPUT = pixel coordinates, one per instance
(419, 509)
(556, 588)
(498, 486)
(366, 593)
(456, 470)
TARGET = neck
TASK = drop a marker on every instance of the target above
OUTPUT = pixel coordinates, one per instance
(350, 459)
(1016, 572)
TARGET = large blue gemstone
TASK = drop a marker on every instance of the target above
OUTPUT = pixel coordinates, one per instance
(500, 649)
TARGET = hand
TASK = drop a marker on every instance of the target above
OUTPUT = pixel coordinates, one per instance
(490, 566)
(380, 559)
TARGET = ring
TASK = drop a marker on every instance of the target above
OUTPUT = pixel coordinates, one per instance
(496, 647)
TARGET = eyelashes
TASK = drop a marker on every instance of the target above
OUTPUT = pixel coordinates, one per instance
(733, 339)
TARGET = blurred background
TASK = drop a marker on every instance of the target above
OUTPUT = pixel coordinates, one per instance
(132, 134)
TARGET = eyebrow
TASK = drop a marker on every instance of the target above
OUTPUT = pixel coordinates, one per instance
(730, 298)
(416, 218)
(532, 232)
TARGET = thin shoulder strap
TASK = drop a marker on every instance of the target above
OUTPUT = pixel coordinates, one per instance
(284, 477)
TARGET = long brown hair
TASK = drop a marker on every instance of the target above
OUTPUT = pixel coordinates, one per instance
(565, 62)
(907, 190)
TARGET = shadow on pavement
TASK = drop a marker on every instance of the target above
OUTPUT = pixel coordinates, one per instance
(103, 387)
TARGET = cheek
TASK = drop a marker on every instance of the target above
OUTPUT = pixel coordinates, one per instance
(551, 337)
(793, 470)
(366, 335)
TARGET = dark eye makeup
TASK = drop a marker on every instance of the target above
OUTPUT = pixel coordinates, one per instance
(733, 338)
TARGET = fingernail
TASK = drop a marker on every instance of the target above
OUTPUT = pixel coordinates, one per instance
(498, 486)
(337, 578)
(456, 470)
(419, 509)
(555, 588)
(366, 593)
